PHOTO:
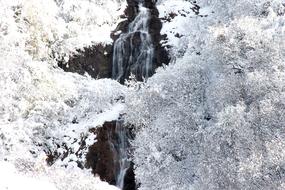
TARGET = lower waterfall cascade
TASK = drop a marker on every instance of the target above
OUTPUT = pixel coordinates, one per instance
(122, 151)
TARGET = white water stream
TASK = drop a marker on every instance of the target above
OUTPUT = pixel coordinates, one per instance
(133, 54)
(133, 51)
(124, 163)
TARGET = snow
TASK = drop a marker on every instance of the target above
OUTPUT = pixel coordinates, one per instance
(44, 110)
(11, 179)
(38, 105)
(9, 176)
(180, 25)
(49, 29)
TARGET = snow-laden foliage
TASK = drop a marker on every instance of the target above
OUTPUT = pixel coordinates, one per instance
(53, 29)
(45, 113)
(215, 119)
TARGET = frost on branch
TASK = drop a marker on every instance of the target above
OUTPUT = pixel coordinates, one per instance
(215, 119)
(49, 29)
(44, 110)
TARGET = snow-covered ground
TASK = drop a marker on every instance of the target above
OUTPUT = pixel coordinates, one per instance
(44, 110)
(49, 178)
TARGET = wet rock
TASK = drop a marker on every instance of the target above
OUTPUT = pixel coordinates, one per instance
(96, 61)
(103, 156)
(121, 28)
(132, 9)
(129, 181)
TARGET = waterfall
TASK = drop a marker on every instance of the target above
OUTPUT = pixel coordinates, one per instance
(133, 54)
(122, 151)
(133, 51)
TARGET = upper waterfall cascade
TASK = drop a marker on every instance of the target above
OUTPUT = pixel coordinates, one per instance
(133, 51)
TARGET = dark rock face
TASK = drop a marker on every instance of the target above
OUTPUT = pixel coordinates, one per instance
(96, 61)
(103, 156)
(129, 181)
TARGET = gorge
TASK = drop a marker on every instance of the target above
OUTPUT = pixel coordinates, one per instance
(136, 51)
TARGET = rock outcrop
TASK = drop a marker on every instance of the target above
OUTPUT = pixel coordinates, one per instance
(103, 157)
(95, 61)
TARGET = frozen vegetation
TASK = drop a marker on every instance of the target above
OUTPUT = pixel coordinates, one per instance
(211, 120)
(43, 109)
(215, 118)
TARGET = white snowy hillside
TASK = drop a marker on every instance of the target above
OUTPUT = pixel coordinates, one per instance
(42, 107)
(212, 119)
(215, 118)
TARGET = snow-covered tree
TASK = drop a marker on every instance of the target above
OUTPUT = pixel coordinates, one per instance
(215, 118)
(44, 110)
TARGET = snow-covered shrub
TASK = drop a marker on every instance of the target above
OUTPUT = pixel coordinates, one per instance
(215, 119)
(44, 110)
(49, 29)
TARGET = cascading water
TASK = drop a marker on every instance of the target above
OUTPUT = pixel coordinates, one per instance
(122, 150)
(133, 51)
(133, 54)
